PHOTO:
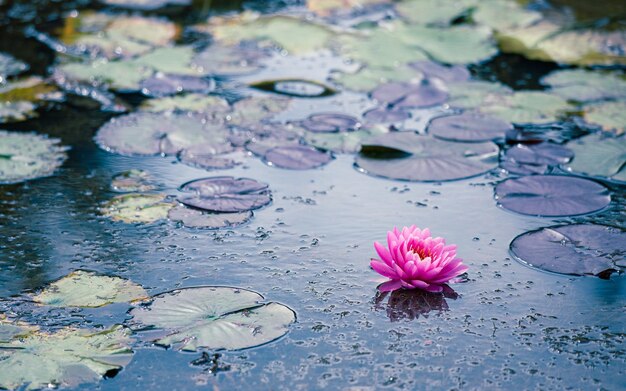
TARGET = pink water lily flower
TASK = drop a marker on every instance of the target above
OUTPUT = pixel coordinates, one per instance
(416, 260)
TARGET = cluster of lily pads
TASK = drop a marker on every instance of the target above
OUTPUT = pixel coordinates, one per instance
(190, 319)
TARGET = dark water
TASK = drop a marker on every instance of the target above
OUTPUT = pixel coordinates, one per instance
(508, 327)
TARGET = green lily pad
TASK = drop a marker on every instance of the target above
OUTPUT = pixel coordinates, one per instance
(328, 7)
(190, 102)
(435, 12)
(611, 116)
(473, 94)
(342, 142)
(253, 110)
(19, 99)
(523, 107)
(503, 14)
(10, 66)
(133, 181)
(293, 35)
(155, 134)
(137, 208)
(25, 156)
(581, 85)
(214, 318)
(87, 289)
(548, 41)
(67, 357)
(597, 155)
(229, 60)
(194, 218)
(16, 329)
(368, 78)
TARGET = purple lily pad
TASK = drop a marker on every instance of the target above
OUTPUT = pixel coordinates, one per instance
(296, 157)
(330, 123)
(535, 159)
(386, 115)
(411, 157)
(296, 88)
(448, 74)
(193, 218)
(469, 127)
(161, 85)
(578, 249)
(207, 159)
(551, 195)
(410, 95)
(226, 194)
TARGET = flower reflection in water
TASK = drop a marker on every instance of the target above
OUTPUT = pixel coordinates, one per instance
(410, 304)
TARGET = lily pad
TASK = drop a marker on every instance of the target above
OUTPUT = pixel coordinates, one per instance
(296, 36)
(25, 156)
(15, 329)
(411, 157)
(599, 156)
(163, 85)
(17, 111)
(296, 157)
(229, 60)
(249, 112)
(330, 123)
(433, 12)
(146, 5)
(88, 289)
(10, 66)
(368, 78)
(208, 158)
(346, 142)
(137, 208)
(551, 195)
(226, 194)
(297, 88)
(154, 134)
(581, 85)
(423, 94)
(20, 98)
(189, 102)
(535, 158)
(468, 127)
(384, 115)
(214, 318)
(193, 218)
(445, 73)
(503, 14)
(67, 357)
(327, 7)
(528, 107)
(611, 116)
(473, 94)
(133, 181)
(577, 249)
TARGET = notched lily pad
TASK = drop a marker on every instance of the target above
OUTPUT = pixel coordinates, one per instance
(599, 156)
(226, 194)
(25, 156)
(137, 208)
(535, 158)
(214, 318)
(296, 157)
(295, 88)
(194, 218)
(133, 181)
(468, 127)
(552, 195)
(411, 157)
(68, 357)
(87, 289)
(577, 249)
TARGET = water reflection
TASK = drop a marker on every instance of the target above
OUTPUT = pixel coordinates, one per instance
(410, 304)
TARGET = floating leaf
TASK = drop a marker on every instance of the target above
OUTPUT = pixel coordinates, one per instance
(503, 14)
(330, 123)
(423, 94)
(581, 85)
(435, 12)
(426, 159)
(523, 107)
(193, 218)
(296, 36)
(297, 88)
(468, 127)
(132, 181)
(386, 115)
(346, 142)
(473, 94)
(551, 195)
(611, 116)
(537, 133)
(249, 112)
(146, 5)
(445, 73)
(25, 156)
(577, 249)
(207, 158)
(229, 60)
(10, 66)
(296, 157)
(368, 78)
(154, 134)
(535, 158)
(17, 329)
(327, 7)
(163, 85)
(19, 99)
(214, 318)
(226, 194)
(67, 357)
(599, 156)
(137, 208)
(190, 102)
(88, 289)
(17, 111)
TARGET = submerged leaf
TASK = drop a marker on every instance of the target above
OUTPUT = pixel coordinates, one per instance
(425, 159)
(296, 157)
(88, 289)
(193, 218)
(67, 357)
(25, 156)
(551, 195)
(226, 194)
(137, 208)
(214, 318)
(578, 249)
(132, 181)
